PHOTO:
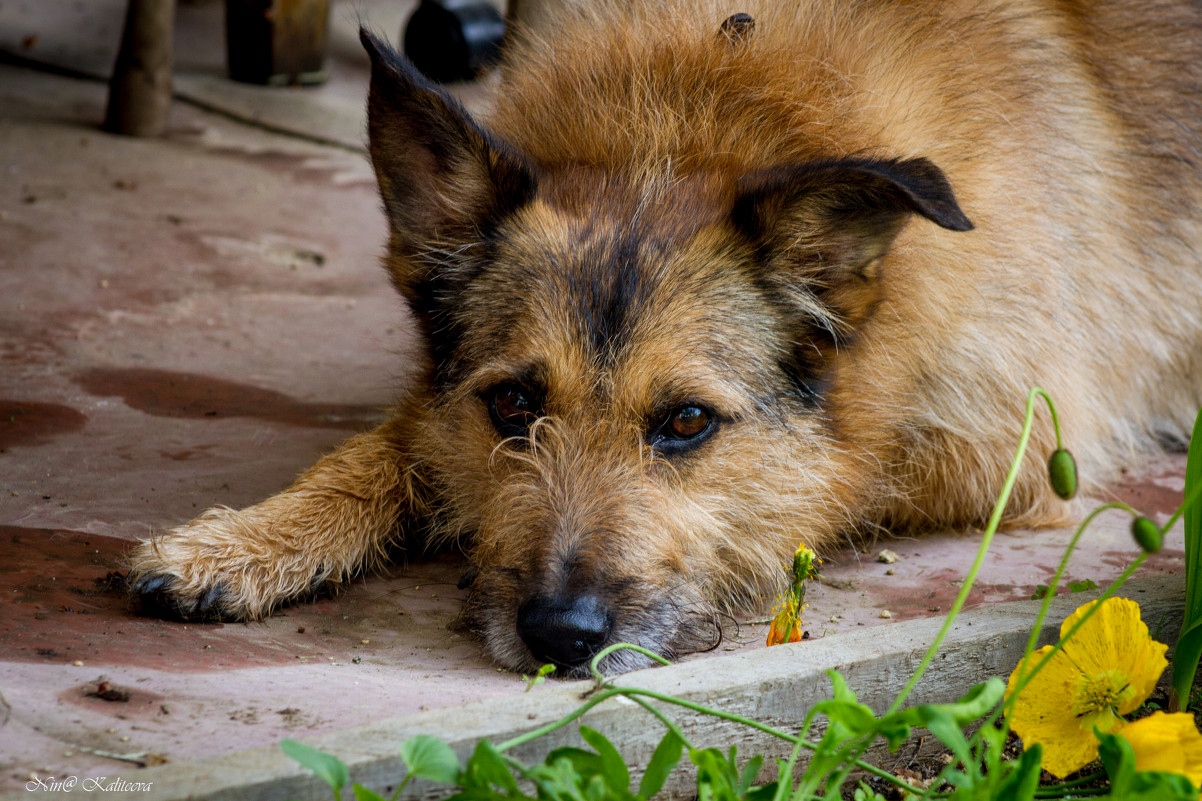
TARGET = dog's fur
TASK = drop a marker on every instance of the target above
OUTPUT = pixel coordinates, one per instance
(768, 222)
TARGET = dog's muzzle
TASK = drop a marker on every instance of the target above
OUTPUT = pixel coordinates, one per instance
(565, 631)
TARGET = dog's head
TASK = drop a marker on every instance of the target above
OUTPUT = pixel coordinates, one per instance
(630, 372)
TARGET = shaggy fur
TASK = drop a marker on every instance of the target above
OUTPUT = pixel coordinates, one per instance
(847, 237)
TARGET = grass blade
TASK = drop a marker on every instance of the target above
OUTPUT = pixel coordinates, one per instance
(1189, 644)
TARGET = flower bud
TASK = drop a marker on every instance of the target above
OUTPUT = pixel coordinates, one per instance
(1062, 472)
(1147, 534)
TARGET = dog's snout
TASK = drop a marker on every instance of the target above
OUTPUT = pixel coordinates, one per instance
(567, 632)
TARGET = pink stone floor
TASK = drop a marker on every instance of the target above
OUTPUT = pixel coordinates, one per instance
(192, 321)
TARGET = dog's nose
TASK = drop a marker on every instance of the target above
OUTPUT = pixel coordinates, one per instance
(567, 632)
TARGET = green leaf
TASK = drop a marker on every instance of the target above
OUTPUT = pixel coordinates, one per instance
(750, 771)
(784, 779)
(663, 761)
(765, 793)
(865, 793)
(944, 726)
(539, 677)
(856, 719)
(1041, 591)
(1020, 784)
(1084, 585)
(363, 794)
(1185, 661)
(977, 702)
(1119, 761)
(557, 780)
(716, 777)
(430, 758)
(585, 763)
(613, 766)
(895, 733)
(596, 789)
(1189, 646)
(958, 778)
(840, 690)
(326, 767)
(486, 769)
(1154, 786)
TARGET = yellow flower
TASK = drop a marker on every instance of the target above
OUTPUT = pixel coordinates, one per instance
(1108, 668)
(786, 620)
(1166, 743)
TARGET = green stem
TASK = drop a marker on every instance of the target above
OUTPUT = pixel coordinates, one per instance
(664, 719)
(620, 646)
(784, 787)
(400, 788)
(671, 699)
(755, 724)
(1043, 792)
(1047, 601)
(1195, 493)
(995, 520)
(534, 734)
(1093, 777)
(1052, 409)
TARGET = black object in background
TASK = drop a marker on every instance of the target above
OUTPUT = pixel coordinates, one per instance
(453, 40)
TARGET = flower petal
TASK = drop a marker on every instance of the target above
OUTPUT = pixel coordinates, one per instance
(1166, 743)
(1109, 666)
(1042, 713)
(1115, 638)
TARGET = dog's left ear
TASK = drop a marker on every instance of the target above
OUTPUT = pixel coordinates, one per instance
(444, 179)
(823, 227)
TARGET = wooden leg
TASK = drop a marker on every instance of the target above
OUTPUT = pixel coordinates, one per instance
(140, 89)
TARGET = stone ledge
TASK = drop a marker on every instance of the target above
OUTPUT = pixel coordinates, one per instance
(775, 687)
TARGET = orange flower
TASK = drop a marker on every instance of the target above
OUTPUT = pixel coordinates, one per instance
(786, 621)
(786, 627)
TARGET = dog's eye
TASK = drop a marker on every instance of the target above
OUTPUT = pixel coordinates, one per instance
(686, 426)
(687, 422)
(513, 409)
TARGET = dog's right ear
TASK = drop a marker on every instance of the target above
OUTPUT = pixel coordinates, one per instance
(445, 181)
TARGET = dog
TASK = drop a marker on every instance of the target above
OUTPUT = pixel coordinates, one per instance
(715, 279)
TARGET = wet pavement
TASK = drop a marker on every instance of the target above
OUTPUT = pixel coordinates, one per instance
(194, 320)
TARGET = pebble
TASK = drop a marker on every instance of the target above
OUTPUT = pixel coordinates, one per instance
(885, 613)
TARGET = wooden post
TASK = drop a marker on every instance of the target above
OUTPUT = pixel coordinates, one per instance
(140, 89)
(277, 42)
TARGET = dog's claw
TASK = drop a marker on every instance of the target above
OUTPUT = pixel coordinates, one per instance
(155, 592)
(153, 584)
(210, 606)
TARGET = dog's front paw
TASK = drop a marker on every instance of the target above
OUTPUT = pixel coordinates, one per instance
(225, 565)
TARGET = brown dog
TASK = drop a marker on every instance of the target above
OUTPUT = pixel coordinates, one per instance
(702, 290)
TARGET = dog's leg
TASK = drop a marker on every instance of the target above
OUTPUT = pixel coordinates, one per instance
(335, 519)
